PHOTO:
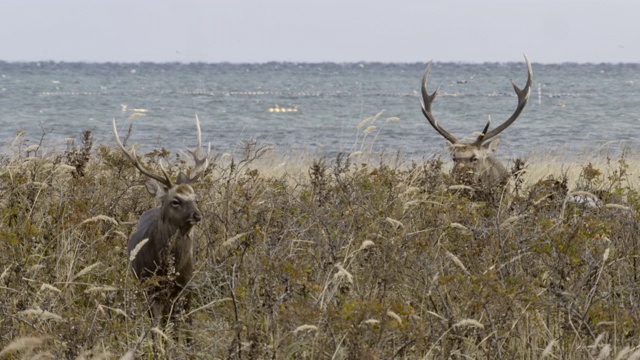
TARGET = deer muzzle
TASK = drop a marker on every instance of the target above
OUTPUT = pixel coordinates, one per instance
(195, 217)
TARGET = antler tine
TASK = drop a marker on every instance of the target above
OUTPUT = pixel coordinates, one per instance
(166, 180)
(426, 107)
(523, 97)
(199, 145)
(480, 138)
(201, 164)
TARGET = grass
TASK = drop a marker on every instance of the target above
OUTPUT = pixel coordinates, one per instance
(360, 256)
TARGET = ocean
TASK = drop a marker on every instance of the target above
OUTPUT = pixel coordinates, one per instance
(317, 107)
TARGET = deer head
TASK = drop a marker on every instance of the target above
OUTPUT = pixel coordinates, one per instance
(178, 201)
(476, 158)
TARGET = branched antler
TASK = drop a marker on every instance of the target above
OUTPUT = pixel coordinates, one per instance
(165, 179)
(201, 163)
(523, 97)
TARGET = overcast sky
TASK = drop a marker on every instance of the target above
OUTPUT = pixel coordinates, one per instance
(315, 31)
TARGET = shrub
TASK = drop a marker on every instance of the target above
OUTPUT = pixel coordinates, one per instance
(353, 260)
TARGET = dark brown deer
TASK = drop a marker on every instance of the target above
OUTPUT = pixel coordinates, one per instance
(475, 160)
(162, 245)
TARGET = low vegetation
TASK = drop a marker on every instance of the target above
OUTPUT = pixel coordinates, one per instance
(341, 258)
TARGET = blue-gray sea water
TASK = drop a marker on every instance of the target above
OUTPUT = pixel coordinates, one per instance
(574, 106)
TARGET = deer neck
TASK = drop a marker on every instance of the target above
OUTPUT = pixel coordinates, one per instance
(175, 244)
(494, 172)
(167, 234)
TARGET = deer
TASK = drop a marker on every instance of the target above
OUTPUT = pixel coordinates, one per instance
(475, 160)
(162, 246)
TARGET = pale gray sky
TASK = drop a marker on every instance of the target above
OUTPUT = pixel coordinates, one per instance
(314, 31)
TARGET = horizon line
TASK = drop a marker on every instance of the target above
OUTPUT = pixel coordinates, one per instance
(461, 62)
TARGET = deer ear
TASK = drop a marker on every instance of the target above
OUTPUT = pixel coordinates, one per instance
(182, 178)
(492, 145)
(155, 189)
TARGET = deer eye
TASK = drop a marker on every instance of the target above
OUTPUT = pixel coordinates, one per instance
(474, 159)
(175, 202)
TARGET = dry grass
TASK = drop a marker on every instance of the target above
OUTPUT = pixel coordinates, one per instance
(354, 257)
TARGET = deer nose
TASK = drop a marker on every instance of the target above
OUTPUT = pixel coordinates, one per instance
(197, 217)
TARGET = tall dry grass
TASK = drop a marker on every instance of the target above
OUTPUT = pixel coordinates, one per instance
(360, 256)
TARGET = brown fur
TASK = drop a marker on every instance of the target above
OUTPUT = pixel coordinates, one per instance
(161, 248)
(476, 162)
(167, 257)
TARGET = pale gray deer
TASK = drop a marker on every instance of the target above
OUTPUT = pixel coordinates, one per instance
(162, 245)
(475, 160)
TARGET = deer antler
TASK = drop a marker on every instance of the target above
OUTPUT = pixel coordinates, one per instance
(426, 107)
(201, 164)
(523, 97)
(482, 135)
(166, 181)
